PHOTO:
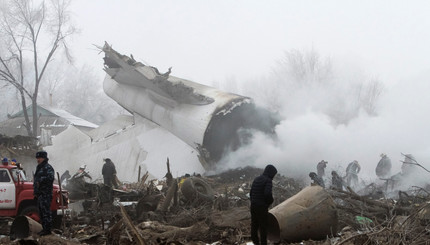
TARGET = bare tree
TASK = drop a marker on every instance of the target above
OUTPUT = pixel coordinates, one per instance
(373, 91)
(81, 94)
(231, 85)
(304, 79)
(304, 68)
(31, 35)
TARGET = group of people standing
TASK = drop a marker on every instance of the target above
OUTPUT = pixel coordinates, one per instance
(108, 172)
(382, 171)
(261, 196)
(261, 189)
(351, 178)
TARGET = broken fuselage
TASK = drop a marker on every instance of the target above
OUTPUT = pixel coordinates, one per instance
(206, 118)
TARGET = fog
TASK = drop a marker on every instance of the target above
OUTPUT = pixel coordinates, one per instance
(208, 41)
(308, 137)
(237, 45)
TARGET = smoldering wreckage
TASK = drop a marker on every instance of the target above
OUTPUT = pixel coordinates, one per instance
(211, 209)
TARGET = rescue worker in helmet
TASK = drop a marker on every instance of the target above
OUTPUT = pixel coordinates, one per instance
(82, 172)
(77, 182)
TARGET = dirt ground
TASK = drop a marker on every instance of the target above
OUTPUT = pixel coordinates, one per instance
(221, 215)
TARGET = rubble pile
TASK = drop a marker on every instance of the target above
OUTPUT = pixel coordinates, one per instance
(366, 220)
(18, 146)
(216, 211)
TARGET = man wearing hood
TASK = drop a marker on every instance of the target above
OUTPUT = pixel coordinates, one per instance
(261, 199)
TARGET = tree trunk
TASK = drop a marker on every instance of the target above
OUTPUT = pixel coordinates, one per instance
(35, 116)
(24, 109)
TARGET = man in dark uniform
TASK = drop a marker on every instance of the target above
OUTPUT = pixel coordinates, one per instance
(109, 172)
(261, 198)
(43, 185)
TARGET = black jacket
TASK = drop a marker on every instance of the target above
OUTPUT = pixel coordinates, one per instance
(43, 179)
(108, 169)
(261, 189)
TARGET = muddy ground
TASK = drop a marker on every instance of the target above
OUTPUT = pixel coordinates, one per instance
(222, 216)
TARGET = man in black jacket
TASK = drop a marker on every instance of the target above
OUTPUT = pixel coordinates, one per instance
(43, 185)
(261, 198)
(109, 173)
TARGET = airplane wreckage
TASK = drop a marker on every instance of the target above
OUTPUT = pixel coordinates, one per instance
(193, 124)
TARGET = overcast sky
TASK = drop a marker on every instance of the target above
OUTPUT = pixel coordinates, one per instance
(210, 41)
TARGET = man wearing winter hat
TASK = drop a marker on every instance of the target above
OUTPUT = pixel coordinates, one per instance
(43, 186)
(261, 199)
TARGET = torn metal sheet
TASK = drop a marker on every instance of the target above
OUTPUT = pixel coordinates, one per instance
(204, 117)
(192, 124)
(310, 214)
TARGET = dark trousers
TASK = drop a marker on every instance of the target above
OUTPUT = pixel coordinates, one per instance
(44, 205)
(108, 181)
(259, 223)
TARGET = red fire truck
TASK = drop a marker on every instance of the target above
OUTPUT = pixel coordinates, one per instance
(16, 196)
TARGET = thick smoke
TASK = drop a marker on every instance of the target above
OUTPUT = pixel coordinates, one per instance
(308, 132)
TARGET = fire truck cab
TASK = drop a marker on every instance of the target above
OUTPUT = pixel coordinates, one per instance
(16, 196)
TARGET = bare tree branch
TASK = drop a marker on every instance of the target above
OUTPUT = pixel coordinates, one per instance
(413, 162)
(24, 23)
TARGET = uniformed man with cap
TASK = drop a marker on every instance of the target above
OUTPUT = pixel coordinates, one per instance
(43, 186)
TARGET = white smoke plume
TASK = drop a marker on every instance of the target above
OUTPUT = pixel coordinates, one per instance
(307, 134)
